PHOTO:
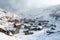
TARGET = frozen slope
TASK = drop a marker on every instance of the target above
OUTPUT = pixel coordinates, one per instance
(55, 36)
(42, 35)
(38, 35)
(6, 37)
(4, 16)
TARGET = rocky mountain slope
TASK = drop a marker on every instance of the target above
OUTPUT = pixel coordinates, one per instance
(4, 24)
(38, 15)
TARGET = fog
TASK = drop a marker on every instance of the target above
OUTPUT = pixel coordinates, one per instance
(23, 4)
(20, 6)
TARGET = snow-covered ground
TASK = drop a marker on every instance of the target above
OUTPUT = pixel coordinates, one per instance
(4, 24)
(37, 35)
(6, 37)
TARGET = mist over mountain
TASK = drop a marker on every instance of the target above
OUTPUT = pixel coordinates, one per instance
(38, 12)
(29, 20)
(28, 10)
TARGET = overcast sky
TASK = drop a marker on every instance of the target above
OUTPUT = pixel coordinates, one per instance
(27, 4)
(24, 5)
(33, 3)
(19, 6)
